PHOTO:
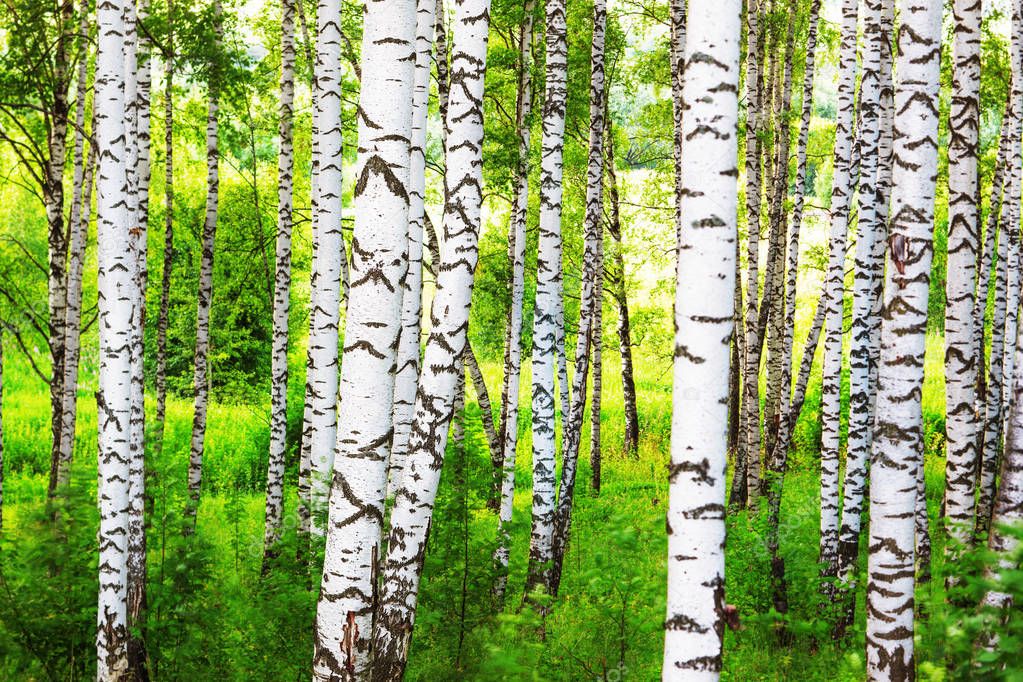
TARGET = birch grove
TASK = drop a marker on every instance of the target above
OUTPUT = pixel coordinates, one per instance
(305, 313)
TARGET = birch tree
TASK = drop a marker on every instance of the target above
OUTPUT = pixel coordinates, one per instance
(282, 289)
(588, 297)
(116, 304)
(345, 609)
(459, 253)
(407, 378)
(509, 430)
(319, 422)
(963, 243)
(200, 379)
(547, 309)
(898, 444)
(704, 322)
(841, 194)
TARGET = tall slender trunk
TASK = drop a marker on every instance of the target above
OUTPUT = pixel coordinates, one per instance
(547, 309)
(321, 391)
(589, 296)
(407, 378)
(596, 348)
(163, 316)
(704, 321)
(677, 19)
(834, 296)
(81, 204)
(1, 428)
(509, 428)
(479, 384)
(201, 381)
(348, 591)
(963, 242)
(139, 181)
(621, 296)
(749, 420)
(777, 459)
(922, 529)
(115, 319)
(282, 290)
(1006, 269)
(57, 238)
(861, 391)
(898, 443)
(413, 506)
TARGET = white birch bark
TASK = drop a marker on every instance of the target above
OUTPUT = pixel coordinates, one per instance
(961, 363)
(861, 391)
(509, 431)
(200, 379)
(898, 442)
(834, 295)
(407, 378)
(320, 417)
(282, 289)
(459, 253)
(547, 309)
(345, 609)
(116, 309)
(704, 322)
(588, 297)
(81, 205)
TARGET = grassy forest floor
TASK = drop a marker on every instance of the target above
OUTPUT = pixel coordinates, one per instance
(212, 615)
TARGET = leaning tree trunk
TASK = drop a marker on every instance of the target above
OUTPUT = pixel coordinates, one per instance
(81, 204)
(704, 321)
(834, 297)
(163, 316)
(345, 609)
(621, 296)
(509, 431)
(413, 507)
(320, 416)
(861, 390)
(961, 363)
(201, 381)
(547, 309)
(588, 299)
(898, 444)
(407, 377)
(115, 319)
(282, 291)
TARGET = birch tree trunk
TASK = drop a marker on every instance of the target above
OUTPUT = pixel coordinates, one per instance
(547, 309)
(413, 506)
(861, 391)
(588, 297)
(596, 348)
(81, 205)
(898, 443)
(619, 291)
(380, 244)
(834, 296)
(139, 177)
(205, 299)
(704, 321)
(509, 431)
(320, 415)
(677, 19)
(163, 316)
(57, 241)
(282, 291)
(407, 377)
(963, 242)
(116, 309)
